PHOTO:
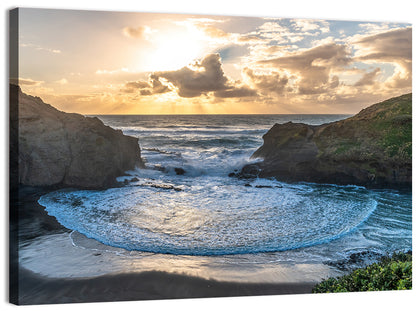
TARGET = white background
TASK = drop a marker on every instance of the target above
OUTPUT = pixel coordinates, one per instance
(360, 10)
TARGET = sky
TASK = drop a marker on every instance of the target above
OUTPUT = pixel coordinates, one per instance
(97, 62)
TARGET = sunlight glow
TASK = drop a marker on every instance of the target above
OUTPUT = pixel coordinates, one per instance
(174, 51)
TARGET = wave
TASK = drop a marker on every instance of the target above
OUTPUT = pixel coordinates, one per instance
(184, 133)
(217, 219)
(178, 154)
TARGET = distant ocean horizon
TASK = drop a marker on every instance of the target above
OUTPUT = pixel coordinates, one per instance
(217, 114)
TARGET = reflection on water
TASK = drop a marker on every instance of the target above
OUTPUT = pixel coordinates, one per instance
(74, 255)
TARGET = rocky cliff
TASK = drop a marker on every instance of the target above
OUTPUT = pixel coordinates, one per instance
(372, 148)
(67, 149)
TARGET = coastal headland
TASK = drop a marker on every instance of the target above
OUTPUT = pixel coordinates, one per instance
(372, 149)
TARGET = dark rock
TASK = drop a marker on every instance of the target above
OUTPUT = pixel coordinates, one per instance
(232, 175)
(179, 171)
(159, 167)
(371, 149)
(68, 149)
(355, 260)
(263, 186)
(247, 185)
(161, 186)
(166, 187)
(134, 179)
(249, 171)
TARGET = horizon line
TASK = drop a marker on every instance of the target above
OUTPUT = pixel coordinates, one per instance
(212, 114)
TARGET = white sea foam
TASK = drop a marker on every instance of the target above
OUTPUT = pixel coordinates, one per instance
(211, 216)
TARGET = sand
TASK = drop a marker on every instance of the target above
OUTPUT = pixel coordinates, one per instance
(34, 289)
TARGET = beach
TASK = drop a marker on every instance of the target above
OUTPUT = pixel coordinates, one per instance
(141, 286)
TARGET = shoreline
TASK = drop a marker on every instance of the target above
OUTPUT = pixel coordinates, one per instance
(151, 285)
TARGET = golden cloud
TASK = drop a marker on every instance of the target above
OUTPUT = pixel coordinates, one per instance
(141, 32)
(204, 77)
(395, 47)
(313, 66)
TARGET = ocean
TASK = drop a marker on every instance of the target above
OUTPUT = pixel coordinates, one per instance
(203, 212)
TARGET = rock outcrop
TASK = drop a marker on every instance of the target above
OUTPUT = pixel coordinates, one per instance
(68, 149)
(372, 148)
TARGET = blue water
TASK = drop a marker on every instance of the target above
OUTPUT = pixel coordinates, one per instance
(205, 212)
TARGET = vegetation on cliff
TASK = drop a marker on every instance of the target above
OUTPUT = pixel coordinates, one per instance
(390, 273)
(380, 132)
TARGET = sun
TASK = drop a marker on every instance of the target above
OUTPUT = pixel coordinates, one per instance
(173, 50)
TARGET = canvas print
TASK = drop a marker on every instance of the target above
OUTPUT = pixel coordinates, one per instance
(158, 156)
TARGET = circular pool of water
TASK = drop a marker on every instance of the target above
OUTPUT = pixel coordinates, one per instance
(214, 216)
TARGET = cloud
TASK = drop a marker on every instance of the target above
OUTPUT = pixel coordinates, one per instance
(146, 92)
(307, 25)
(243, 91)
(262, 52)
(395, 47)
(204, 77)
(386, 46)
(137, 85)
(146, 88)
(267, 83)
(141, 32)
(243, 39)
(265, 51)
(157, 86)
(111, 72)
(40, 48)
(374, 27)
(323, 41)
(297, 31)
(214, 32)
(368, 78)
(228, 37)
(28, 82)
(273, 31)
(62, 81)
(313, 66)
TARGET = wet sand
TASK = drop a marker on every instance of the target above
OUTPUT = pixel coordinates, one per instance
(34, 289)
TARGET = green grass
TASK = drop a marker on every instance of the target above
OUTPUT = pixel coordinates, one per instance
(396, 135)
(398, 139)
(382, 131)
(344, 147)
(393, 122)
(390, 273)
